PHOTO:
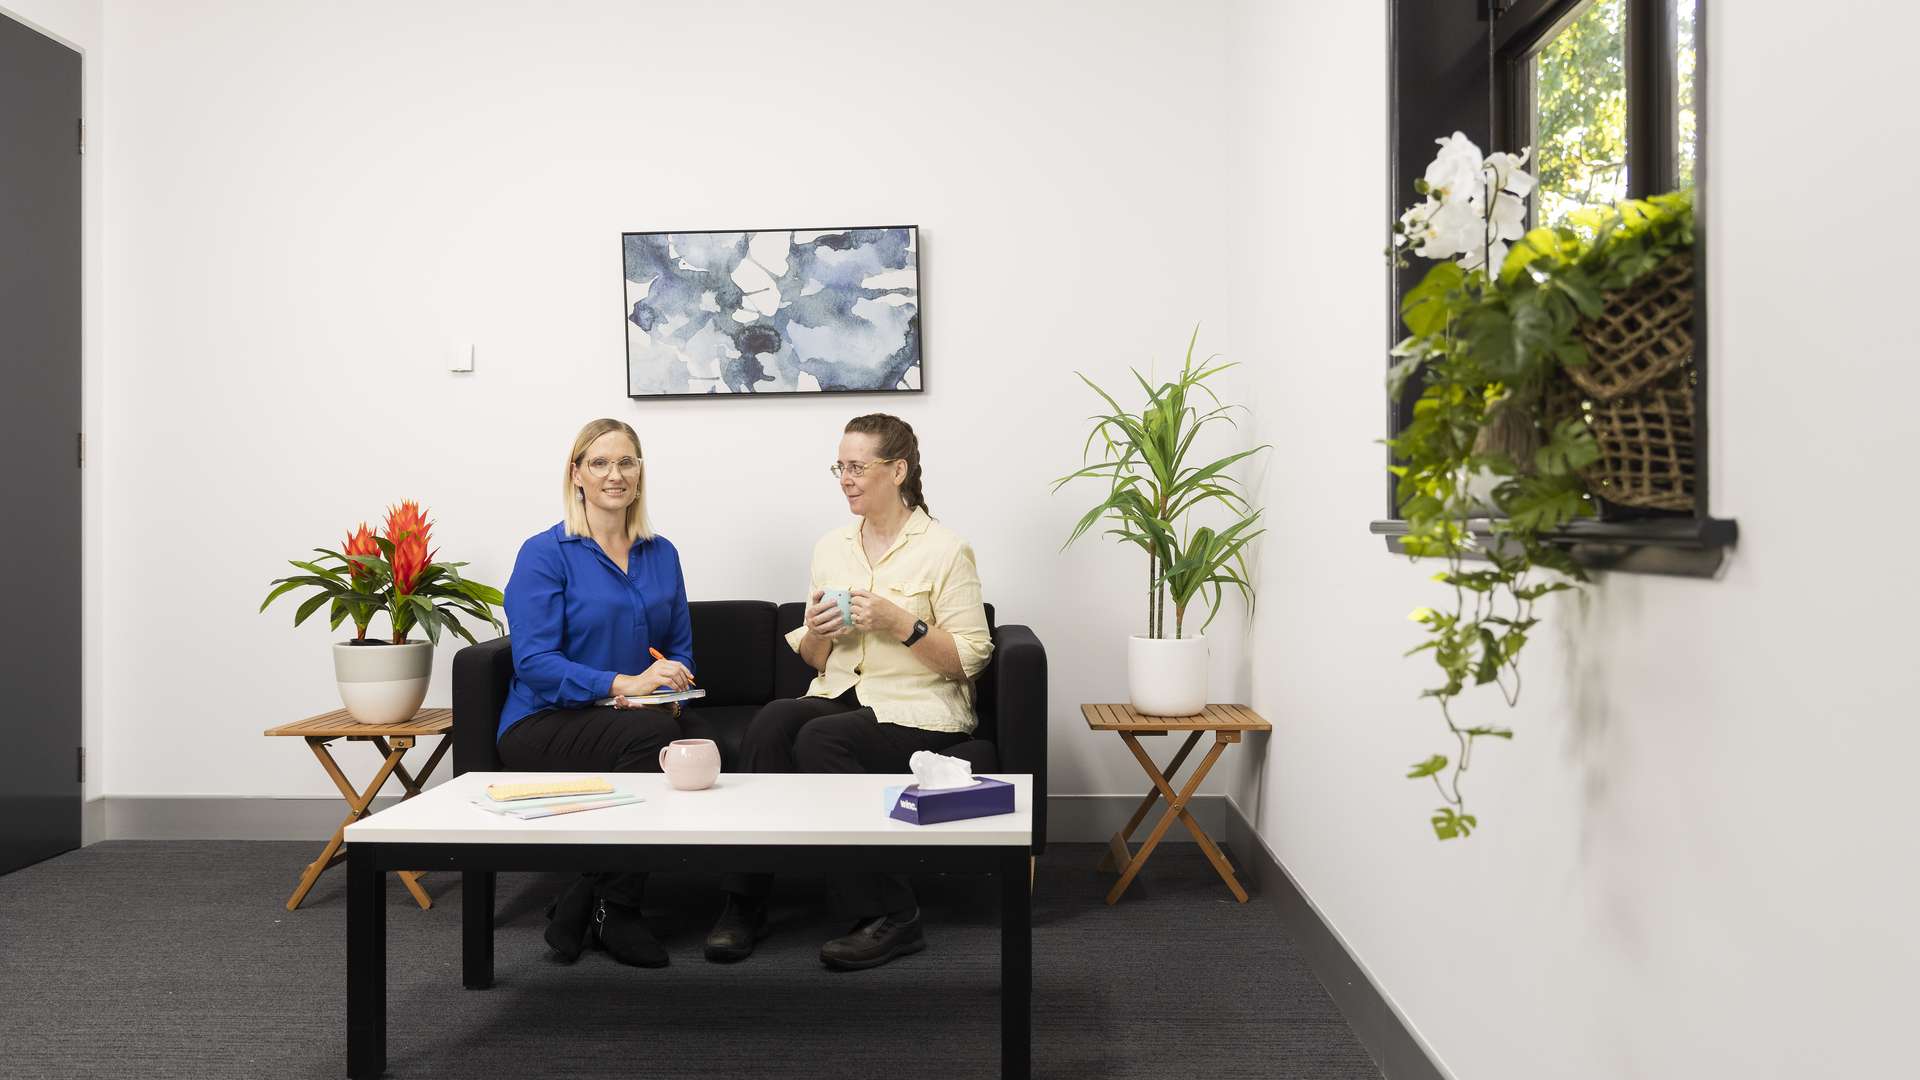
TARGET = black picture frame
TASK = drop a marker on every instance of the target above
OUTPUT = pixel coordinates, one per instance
(916, 336)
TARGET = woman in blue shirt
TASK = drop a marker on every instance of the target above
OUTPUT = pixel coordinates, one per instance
(587, 600)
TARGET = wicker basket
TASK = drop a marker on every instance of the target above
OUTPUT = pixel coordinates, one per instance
(1636, 393)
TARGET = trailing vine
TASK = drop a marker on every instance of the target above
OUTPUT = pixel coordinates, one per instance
(1484, 472)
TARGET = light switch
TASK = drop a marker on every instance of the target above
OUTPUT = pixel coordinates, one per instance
(462, 359)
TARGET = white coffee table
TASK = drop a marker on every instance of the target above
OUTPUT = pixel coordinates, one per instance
(810, 822)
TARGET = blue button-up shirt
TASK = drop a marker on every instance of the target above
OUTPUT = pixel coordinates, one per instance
(577, 620)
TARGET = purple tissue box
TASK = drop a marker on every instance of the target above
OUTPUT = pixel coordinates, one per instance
(984, 798)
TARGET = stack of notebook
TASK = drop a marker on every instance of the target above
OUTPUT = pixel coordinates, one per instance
(547, 798)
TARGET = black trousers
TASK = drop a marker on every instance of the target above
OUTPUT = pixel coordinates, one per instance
(835, 735)
(597, 739)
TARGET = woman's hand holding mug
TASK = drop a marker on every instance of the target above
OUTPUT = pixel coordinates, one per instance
(874, 612)
(823, 619)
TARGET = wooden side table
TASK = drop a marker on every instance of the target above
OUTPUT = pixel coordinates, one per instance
(393, 740)
(1228, 723)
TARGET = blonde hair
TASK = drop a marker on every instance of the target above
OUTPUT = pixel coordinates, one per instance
(574, 500)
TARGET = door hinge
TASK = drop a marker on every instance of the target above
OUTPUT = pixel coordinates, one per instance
(80, 752)
(80, 449)
(82, 125)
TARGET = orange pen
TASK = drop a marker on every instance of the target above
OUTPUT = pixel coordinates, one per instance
(658, 656)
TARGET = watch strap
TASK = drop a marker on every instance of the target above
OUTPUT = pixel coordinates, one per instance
(919, 631)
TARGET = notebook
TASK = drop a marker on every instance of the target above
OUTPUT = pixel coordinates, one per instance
(530, 809)
(666, 698)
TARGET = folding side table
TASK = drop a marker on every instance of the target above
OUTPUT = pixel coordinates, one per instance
(393, 740)
(1228, 723)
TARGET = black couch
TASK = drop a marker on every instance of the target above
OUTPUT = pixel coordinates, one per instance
(743, 662)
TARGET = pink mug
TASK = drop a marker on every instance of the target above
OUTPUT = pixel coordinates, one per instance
(690, 764)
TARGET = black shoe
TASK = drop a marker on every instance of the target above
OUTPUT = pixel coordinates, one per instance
(571, 913)
(873, 942)
(623, 933)
(742, 922)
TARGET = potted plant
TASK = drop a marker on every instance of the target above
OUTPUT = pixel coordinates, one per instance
(1494, 456)
(384, 681)
(1152, 494)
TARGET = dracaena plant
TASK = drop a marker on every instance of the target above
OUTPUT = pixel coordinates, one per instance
(394, 572)
(1490, 325)
(1153, 491)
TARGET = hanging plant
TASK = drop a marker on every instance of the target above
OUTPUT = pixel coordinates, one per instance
(1481, 448)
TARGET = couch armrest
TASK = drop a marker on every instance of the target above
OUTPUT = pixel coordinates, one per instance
(480, 678)
(1020, 714)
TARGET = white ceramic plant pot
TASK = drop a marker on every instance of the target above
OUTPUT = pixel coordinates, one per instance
(383, 684)
(1167, 676)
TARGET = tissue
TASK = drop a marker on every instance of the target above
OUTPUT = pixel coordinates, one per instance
(938, 772)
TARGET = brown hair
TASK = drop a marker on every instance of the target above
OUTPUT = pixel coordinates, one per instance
(573, 500)
(897, 442)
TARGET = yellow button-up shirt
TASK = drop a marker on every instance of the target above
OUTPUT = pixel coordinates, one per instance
(929, 571)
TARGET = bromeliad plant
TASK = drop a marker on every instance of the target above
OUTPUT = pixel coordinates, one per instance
(395, 573)
(1152, 490)
(1484, 347)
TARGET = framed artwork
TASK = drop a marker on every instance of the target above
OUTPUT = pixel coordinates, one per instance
(774, 311)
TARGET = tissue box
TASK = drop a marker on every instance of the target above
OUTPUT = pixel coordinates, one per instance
(983, 798)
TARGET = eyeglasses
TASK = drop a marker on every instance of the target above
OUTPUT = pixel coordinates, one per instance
(601, 468)
(857, 469)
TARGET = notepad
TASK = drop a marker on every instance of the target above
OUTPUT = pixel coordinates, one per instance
(667, 698)
(541, 789)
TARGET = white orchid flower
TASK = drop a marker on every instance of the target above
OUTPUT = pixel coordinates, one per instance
(1455, 172)
(1509, 217)
(1507, 174)
(1416, 225)
(1474, 205)
(1454, 228)
(1494, 253)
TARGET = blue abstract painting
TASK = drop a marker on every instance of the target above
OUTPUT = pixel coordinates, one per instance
(773, 312)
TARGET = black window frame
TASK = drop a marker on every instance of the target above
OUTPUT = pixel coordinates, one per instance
(1447, 72)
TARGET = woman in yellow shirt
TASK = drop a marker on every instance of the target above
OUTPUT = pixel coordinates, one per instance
(899, 679)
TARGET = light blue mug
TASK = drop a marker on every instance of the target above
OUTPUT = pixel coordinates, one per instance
(842, 597)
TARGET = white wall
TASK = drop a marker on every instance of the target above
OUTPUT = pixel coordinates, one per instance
(80, 25)
(312, 203)
(1694, 858)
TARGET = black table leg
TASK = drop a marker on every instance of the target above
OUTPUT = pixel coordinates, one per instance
(476, 929)
(366, 965)
(1016, 968)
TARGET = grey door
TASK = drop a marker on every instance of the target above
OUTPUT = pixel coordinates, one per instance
(39, 436)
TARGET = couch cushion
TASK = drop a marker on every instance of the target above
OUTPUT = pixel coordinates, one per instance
(982, 755)
(726, 725)
(790, 673)
(733, 650)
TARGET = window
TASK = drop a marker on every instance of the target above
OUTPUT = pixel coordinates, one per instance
(1575, 82)
(1606, 92)
(1574, 71)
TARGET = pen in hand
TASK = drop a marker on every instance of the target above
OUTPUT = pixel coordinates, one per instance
(658, 656)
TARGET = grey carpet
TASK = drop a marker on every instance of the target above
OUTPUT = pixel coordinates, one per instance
(179, 959)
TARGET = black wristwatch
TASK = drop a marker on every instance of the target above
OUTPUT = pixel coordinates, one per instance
(919, 631)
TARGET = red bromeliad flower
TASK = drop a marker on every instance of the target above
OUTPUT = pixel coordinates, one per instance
(360, 543)
(409, 531)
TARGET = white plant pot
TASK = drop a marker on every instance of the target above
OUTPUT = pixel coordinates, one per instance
(383, 684)
(1167, 676)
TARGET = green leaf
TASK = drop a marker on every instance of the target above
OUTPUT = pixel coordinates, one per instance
(312, 605)
(279, 590)
(1428, 767)
(1425, 307)
(1448, 825)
